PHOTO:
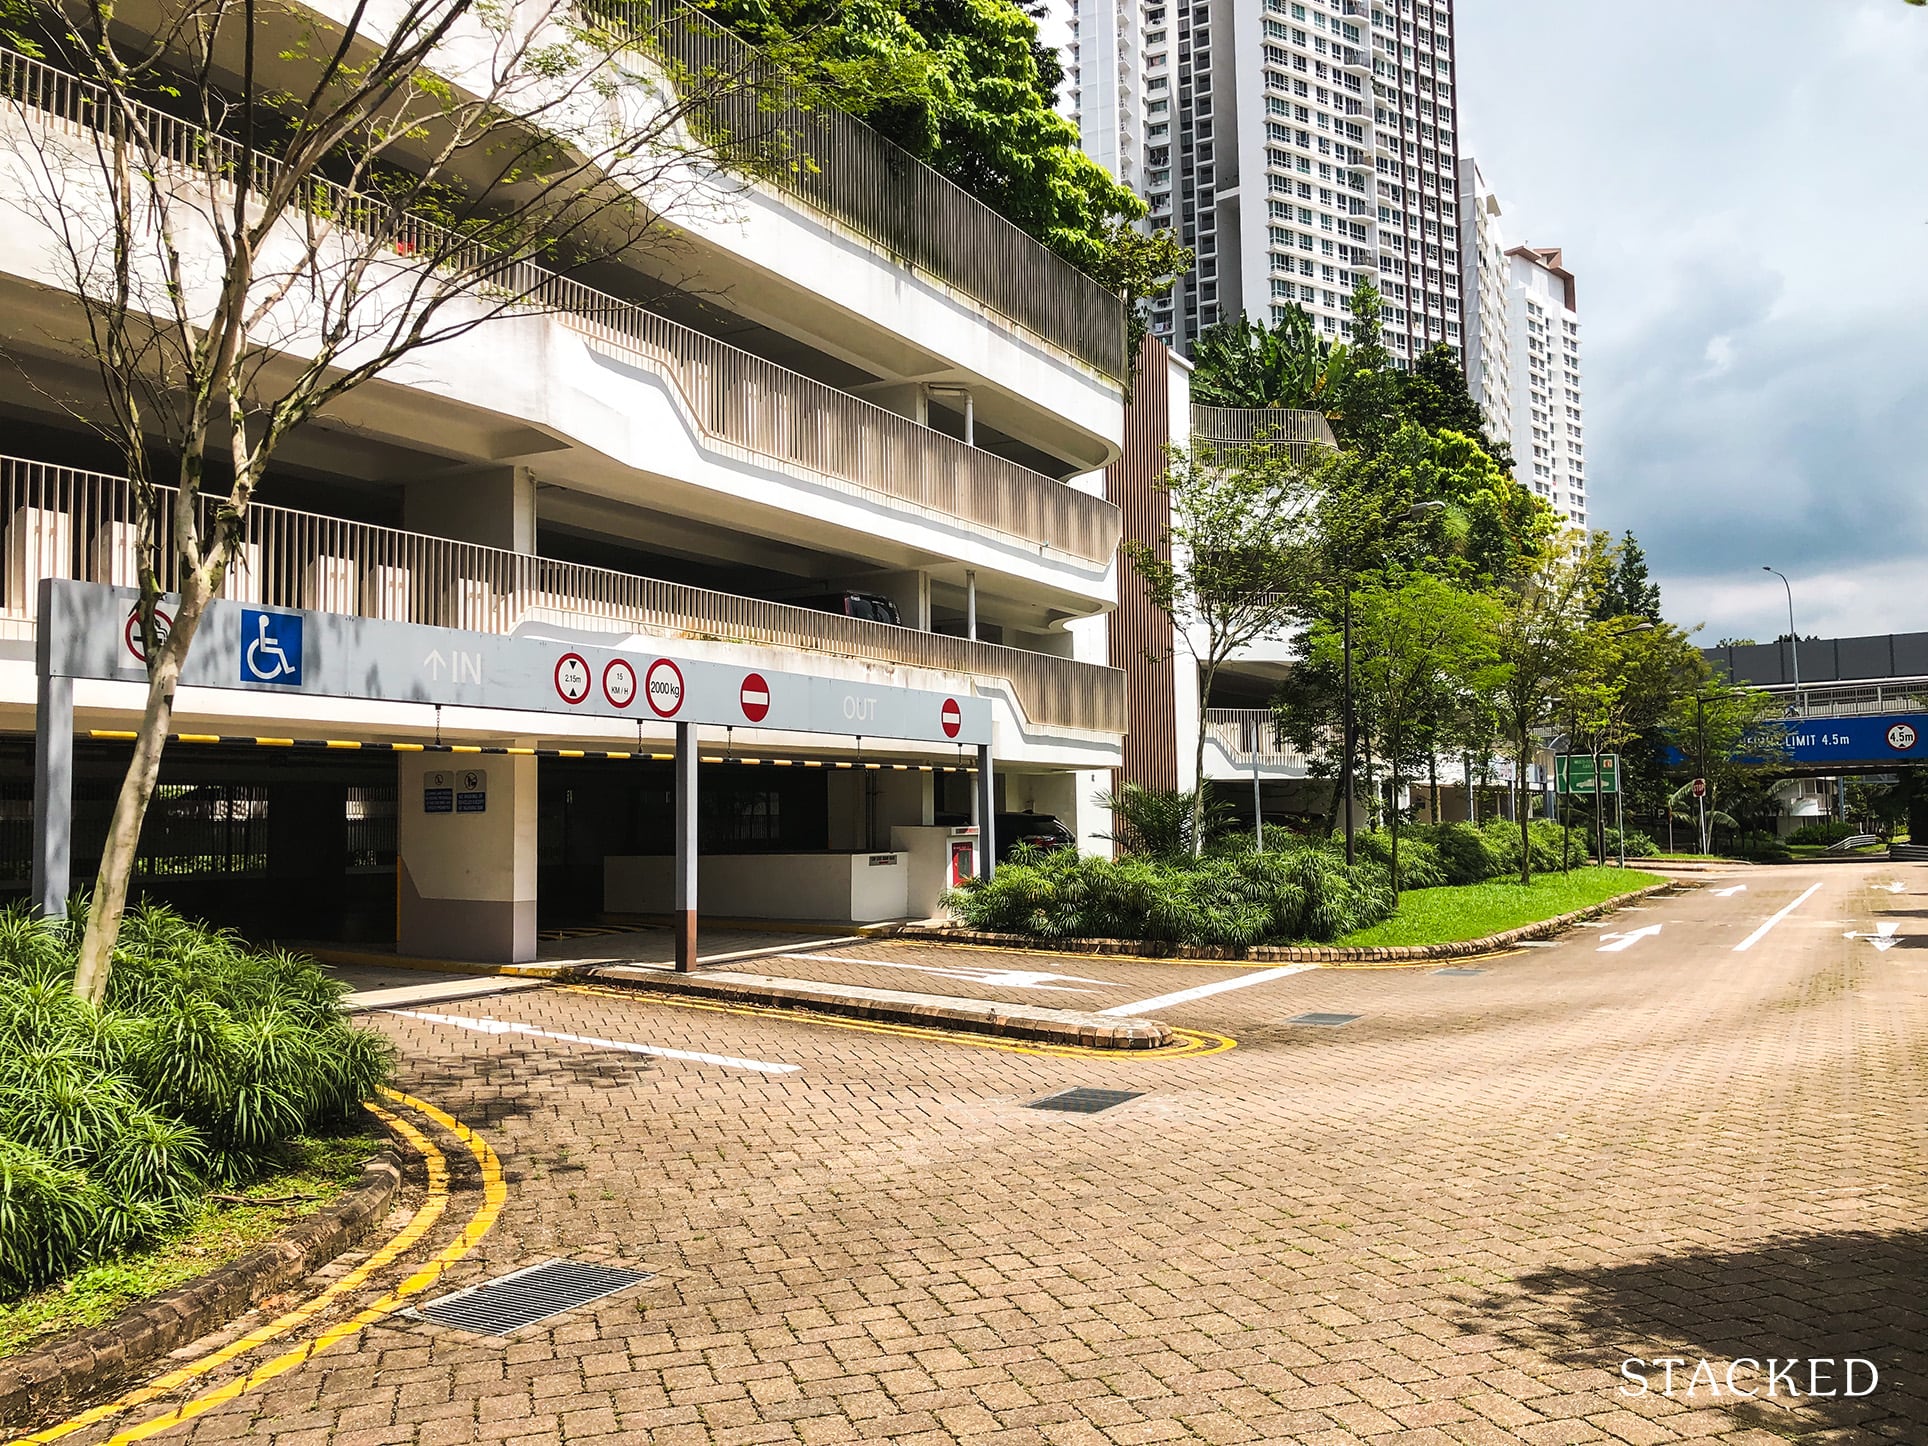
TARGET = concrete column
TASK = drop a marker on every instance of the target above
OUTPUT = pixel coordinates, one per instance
(467, 864)
(493, 506)
(970, 604)
(53, 792)
(986, 813)
(906, 399)
(686, 837)
(911, 591)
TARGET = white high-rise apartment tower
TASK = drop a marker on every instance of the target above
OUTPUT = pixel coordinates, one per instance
(1549, 439)
(1523, 349)
(1296, 145)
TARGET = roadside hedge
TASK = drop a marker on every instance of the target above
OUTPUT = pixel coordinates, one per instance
(1296, 892)
(115, 1122)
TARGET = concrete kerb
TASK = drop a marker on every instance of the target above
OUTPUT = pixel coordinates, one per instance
(93, 1362)
(1289, 953)
(1029, 1022)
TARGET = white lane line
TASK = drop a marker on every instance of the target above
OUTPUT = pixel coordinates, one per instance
(1002, 978)
(502, 1026)
(1754, 938)
(1204, 991)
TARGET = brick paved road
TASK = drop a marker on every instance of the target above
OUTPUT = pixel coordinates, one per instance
(1449, 1221)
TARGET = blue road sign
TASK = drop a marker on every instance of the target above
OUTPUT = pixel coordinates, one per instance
(270, 647)
(1890, 738)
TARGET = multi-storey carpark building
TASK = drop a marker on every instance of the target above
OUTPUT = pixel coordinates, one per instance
(822, 394)
(1298, 146)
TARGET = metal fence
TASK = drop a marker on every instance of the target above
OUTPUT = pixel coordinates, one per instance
(1853, 700)
(745, 405)
(1251, 734)
(1238, 425)
(841, 166)
(62, 522)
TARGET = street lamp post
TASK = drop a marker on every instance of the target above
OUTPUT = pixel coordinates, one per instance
(1793, 638)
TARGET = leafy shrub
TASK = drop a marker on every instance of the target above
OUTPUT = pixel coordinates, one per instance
(1420, 866)
(1157, 822)
(1637, 844)
(205, 1056)
(1231, 899)
(1823, 831)
(1465, 853)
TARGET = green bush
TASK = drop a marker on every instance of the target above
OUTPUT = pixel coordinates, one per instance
(1465, 853)
(1824, 831)
(1637, 845)
(1228, 899)
(205, 1056)
(1420, 866)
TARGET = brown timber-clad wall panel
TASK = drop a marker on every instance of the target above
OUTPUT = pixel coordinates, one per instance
(1141, 635)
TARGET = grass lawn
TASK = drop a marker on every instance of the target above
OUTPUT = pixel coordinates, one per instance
(322, 1168)
(1472, 911)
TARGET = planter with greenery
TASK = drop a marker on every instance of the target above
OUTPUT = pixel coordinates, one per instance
(202, 1062)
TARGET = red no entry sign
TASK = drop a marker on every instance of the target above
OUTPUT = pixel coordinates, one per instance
(952, 717)
(755, 698)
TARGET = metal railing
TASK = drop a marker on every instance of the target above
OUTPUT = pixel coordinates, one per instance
(751, 407)
(66, 523)
(1852, 700)
(1251, 734)
(1243, 425)
(841, 166)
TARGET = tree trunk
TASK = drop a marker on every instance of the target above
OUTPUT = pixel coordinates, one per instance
(117, 857)
(1198, 762)
(1526, 838)
(1432, 786)
(1472, 799)
(1395, 831)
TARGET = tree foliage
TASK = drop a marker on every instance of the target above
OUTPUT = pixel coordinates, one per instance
(1629, 592)
(1240, 559)
(1242, 363)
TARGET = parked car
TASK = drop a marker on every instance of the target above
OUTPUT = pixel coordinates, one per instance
(1040, 830)
(872, 607)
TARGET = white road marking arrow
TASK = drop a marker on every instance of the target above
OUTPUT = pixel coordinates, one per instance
(1626, 940)
(1894, 886)
(1730, 891)
(1883, 938)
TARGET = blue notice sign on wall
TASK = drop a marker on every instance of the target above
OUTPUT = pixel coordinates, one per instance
(271, 647)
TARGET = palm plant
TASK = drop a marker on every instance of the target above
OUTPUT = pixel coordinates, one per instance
(1242, 363)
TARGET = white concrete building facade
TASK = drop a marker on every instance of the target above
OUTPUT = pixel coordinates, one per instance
(1298, 146)
(775, 443)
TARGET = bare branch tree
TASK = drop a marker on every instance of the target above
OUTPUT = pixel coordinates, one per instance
(251, 211)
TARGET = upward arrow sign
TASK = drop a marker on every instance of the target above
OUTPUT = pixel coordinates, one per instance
(1730, 891)
(435, 663)
(1893, 886)
(1626, 940)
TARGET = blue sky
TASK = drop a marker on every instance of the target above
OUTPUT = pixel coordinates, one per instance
(1741, 187)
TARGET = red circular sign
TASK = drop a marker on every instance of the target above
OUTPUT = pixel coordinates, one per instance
(572, 677)
(663, 687)
(952, 717)
(619, 683)
(132, 632)
(755, 698)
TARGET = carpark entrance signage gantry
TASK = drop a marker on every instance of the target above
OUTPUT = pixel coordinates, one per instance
(88, 631)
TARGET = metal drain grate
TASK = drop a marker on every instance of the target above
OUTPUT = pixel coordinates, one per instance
(1330, 1020)
(1458, 973)
(523, 1297)
(1083, 1101)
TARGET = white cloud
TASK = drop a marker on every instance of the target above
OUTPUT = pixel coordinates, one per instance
(1736, 185)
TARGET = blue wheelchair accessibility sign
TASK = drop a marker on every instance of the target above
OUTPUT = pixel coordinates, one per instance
(270, 648)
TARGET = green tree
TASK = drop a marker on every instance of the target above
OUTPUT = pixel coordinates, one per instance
(1434, 395)
(1368, 413)
(1242, 363)
(967, 87)
(1237, 564)
(1541, 641)
(1416, 639)
(1629, 592)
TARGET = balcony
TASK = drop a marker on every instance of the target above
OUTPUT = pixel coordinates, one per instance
(840, 166)
(65, 523)
(1248, 739)
(1239, 426)
(740, 402)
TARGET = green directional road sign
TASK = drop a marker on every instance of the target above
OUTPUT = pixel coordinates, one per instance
(1574, 773)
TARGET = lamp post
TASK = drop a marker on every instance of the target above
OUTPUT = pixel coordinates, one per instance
(1793, 638)
(1349, 742)
(1619, 812)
